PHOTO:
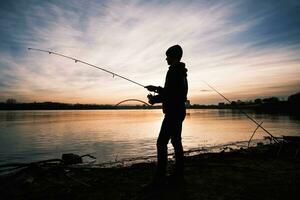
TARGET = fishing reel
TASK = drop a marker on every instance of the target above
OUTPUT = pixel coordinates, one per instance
(153, 98)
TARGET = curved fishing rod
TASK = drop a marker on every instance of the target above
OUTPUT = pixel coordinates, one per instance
(133, 100)
(83, 62)
(253, 120)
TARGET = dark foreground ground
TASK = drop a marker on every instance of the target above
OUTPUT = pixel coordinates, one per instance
(255, 173)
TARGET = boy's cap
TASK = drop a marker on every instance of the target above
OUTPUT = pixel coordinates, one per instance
(175, 52)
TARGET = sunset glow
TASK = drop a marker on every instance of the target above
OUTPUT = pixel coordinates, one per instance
(245, 49)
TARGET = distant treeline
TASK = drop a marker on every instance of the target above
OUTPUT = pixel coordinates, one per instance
(272, 104)
(11, 104)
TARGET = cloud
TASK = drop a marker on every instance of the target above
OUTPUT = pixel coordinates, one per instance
(130, 38)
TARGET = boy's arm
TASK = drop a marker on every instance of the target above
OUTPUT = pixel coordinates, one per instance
(156, 89)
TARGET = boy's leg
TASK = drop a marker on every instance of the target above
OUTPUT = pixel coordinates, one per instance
(178, 149)
(162, 148)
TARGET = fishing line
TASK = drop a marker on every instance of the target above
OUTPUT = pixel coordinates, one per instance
(253, 120)
(83, 62)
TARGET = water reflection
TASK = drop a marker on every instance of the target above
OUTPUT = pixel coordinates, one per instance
(10, 116)
(107, 134)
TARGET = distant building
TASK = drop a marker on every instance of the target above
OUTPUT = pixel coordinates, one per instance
(11, 101)
(258, 101)
(188, 103)
(271, 100)
(221, 104)
(239, 102)
(233, 103)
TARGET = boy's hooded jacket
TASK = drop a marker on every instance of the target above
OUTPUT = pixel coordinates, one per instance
(174, 94)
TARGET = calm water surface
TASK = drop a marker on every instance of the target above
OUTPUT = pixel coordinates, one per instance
(117, 134)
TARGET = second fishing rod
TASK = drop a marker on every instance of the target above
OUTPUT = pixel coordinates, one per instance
(243, 112)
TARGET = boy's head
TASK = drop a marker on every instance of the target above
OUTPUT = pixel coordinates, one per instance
(174, 54)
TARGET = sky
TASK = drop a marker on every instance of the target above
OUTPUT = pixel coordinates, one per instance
(245, 49)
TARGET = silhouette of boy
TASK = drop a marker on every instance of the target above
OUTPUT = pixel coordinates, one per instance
(173, 97)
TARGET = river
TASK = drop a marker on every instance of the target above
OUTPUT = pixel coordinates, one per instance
(110, 135)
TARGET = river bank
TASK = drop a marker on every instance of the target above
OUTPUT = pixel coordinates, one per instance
(254, 173)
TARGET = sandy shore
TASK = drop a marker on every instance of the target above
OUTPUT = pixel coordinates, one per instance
(254, 173)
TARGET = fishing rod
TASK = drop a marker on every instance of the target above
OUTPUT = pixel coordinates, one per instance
(83, 62)
(253, 120)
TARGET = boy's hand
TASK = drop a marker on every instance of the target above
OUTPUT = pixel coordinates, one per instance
(150, 99)
(152, 88)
